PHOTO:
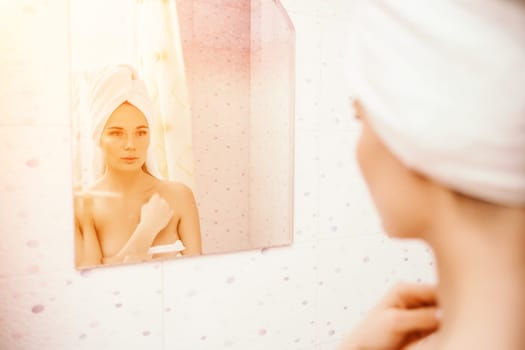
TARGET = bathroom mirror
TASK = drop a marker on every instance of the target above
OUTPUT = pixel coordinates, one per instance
(183, 128)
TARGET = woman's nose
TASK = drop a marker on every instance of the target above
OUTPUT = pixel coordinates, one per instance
(130, 143)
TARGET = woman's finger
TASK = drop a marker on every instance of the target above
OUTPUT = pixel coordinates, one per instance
(411, 295)
(416, 320)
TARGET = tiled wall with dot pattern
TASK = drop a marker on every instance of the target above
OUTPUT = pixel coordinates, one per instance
(301, 297)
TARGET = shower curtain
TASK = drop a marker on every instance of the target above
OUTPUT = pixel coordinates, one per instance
(161, 64)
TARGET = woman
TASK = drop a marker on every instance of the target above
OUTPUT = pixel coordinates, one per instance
(442, 150)
(129, 214)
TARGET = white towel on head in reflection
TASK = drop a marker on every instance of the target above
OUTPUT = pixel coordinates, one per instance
(443, 85)
(109, 87)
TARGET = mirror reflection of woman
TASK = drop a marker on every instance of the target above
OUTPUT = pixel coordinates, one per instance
(128, 210)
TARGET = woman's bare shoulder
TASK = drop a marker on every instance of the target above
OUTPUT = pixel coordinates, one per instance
(178, 191)
(83, 208)
(84, 200)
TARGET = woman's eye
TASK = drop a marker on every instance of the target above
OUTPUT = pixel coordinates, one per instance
(115, 133)
(142, 132)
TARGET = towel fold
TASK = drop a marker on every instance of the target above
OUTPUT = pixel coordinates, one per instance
(176, 247)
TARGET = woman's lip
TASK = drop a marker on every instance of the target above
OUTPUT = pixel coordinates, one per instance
(129, 158)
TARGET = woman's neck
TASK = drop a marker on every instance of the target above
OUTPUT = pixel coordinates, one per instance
(480, 256)
(127, 181)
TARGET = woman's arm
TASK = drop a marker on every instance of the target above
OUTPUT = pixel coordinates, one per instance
(189, 225)
(92, 255)
(155, 215)
(183, 227)
(88, 251)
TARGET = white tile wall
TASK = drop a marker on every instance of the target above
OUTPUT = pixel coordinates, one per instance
(303, 297)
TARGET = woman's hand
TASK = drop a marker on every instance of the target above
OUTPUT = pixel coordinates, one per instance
(408, 313)
(155, 215)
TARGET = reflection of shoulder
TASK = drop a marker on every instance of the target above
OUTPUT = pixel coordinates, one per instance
(83, 209)
(176, 192)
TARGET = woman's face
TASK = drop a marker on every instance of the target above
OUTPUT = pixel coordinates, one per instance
(402, 197)
(125, 139)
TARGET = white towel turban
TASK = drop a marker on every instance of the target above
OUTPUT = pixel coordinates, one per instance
(109, 87)
(443, 84)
